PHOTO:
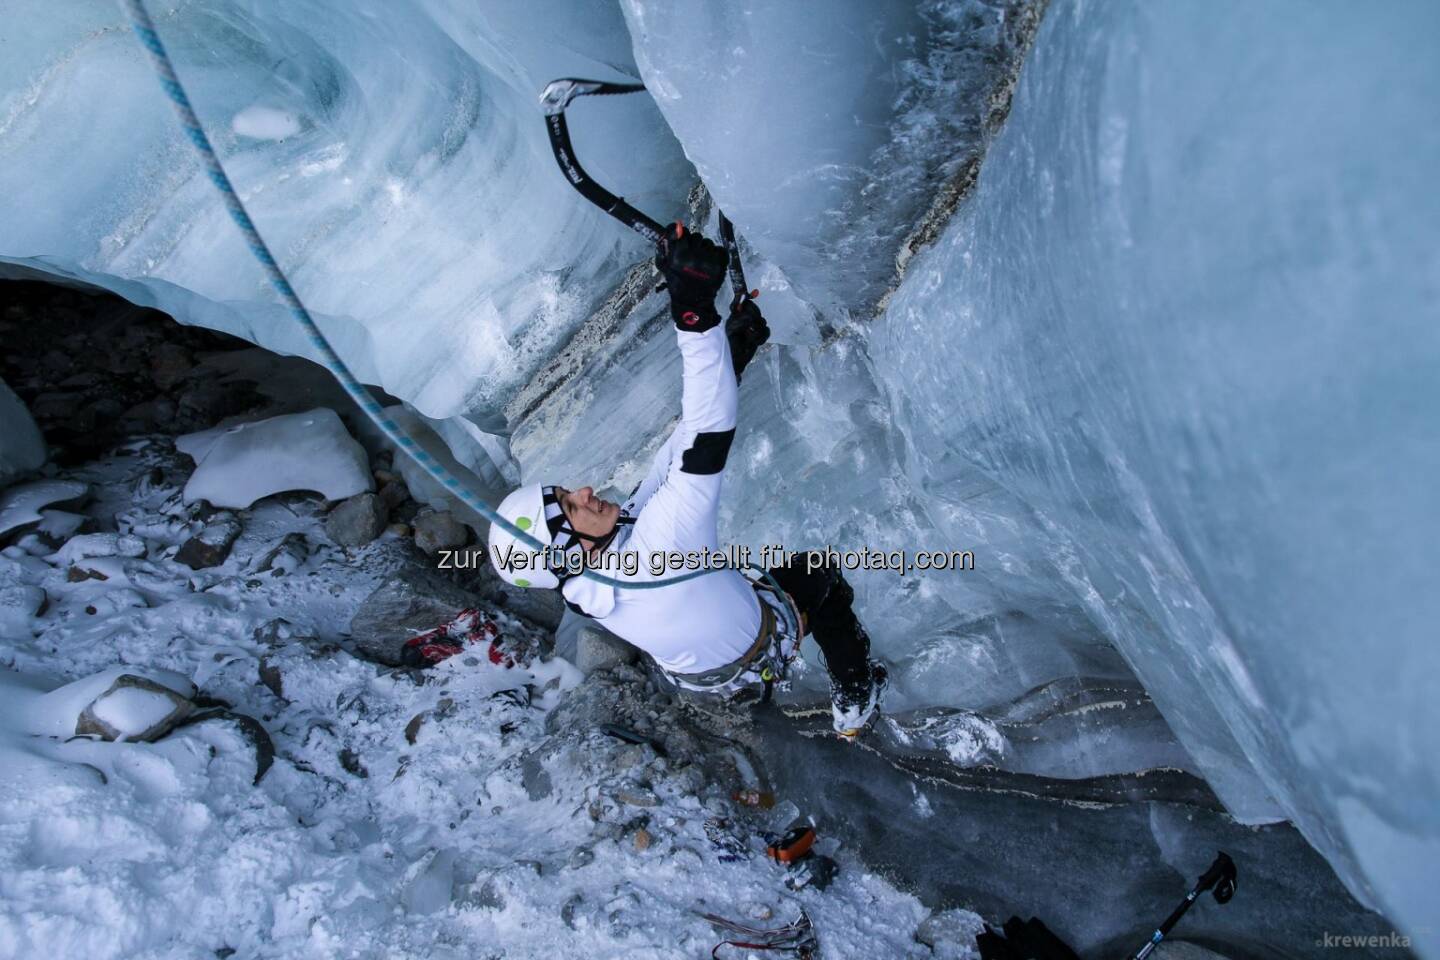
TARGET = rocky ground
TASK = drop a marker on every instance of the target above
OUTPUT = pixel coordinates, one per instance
(215, 743)
(473, 808)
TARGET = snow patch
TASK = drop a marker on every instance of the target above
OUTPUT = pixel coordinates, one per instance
(298, 451)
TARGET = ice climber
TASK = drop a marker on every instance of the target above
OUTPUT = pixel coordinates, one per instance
(719, 632)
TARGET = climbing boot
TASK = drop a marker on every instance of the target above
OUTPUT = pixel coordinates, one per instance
(854, 709)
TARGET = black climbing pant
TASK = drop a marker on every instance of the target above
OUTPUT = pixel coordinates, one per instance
(825, 600)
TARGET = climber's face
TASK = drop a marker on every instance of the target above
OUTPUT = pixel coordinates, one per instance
(589, 516)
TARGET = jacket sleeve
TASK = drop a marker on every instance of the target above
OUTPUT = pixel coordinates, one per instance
(681, 513)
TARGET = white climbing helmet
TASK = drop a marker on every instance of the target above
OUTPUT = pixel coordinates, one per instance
(536, 510)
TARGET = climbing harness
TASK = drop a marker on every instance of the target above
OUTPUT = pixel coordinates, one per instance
(144, 28)
(767, 661)
(796, 937)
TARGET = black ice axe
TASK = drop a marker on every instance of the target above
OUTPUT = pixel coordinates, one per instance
(553, 100)
(1219, 880)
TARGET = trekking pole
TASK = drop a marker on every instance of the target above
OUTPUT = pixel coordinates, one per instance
(1220, 876)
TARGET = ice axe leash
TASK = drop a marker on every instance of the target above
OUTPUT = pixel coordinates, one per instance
(1219, 879)
(144, 28)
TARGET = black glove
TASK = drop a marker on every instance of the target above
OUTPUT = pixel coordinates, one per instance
(746, 330)
(693, 268)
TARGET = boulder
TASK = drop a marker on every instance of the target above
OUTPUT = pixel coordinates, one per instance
(950, 933)
(86, 546)
(286, 556)
(357, 521)
(210, 400)
(415, 601)
(599, 649)
(151, 414)
(133, 708)
(20, 505)
(439, 530)
(169, 364)
(210, 546)
(392, 491)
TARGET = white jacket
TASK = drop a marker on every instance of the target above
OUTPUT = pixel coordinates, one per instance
(708, 621)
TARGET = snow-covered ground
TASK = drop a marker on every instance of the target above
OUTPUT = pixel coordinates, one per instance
(471, 810)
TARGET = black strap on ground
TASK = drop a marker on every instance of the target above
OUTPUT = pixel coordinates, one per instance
(553, 101)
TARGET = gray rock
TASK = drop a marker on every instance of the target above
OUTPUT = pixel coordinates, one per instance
(415, 601)
(950, 933)
(350, 760)
(392, 491)
(286, 556)
(210, 546)
(535, 778)
(569, 909)
(637, 797)
(598, 649)
(436, 531)
(169, 364)
(209, 400)
(55, 407)
(133, 697)
(149, 414)
(357, 521)
(272, 678)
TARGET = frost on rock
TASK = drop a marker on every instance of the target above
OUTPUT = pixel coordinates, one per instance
(133, 708)
(21, 505)
(236, 466)
(62, 711)
(90, 545)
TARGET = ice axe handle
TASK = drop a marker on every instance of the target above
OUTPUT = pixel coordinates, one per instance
(1220, 878)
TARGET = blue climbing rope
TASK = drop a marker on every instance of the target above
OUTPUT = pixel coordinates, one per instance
(145, 29)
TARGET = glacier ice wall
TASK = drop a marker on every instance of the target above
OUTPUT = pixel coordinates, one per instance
(389, 151)
(837, 127)
(1188, 319)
